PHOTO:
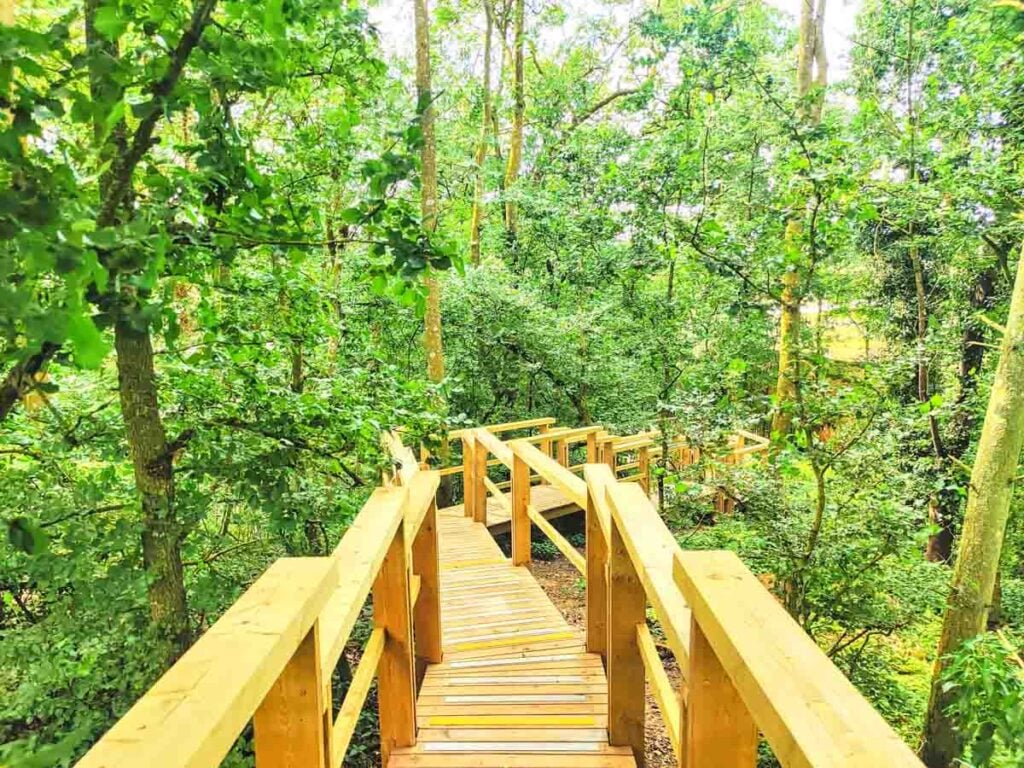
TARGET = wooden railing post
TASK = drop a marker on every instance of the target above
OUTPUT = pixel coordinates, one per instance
(545, 445)
(396, 678)
(289, 726)
(520, 518)
(597, 567)
(592, 448)
(627, 605)
(608, 453)
(562, 452)
(479, 487)
(644, 467)
(427, 610)
(719, 730)
(468, 468)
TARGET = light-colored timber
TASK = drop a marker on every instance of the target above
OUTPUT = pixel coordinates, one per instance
(476, 668)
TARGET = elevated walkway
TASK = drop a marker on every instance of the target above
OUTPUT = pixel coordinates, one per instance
(516, 687)
(473, 664)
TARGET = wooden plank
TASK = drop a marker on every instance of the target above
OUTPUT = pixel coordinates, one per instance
(494, 446)
(396, 686)
(355, 697)
(193, 714)
(719, 728)
(597, 477)
(498, 760)
(809, 712)
(644, 466)
(422, 491)
(652, 547)
(288, 726)
(497, 494)
(469, 483)
(427, 608)
(626, 609)
(567, 549)
(360, 553)
(573, 487)
(661, 686)
(509, 426)
(520, 515)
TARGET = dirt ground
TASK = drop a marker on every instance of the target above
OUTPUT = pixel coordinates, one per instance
(562, 583)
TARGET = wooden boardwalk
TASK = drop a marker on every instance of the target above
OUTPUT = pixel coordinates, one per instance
(549, 501)
(516, 687)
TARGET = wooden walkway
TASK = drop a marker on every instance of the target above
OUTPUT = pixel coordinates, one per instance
(516, 687)
(547, 499)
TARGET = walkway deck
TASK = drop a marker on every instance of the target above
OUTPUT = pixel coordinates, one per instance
(548, 500)
(516, 687)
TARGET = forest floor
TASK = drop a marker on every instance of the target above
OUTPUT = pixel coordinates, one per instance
(562, 583)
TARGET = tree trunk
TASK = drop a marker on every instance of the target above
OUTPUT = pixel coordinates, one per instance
(811, 74)
(481, 149)
(981, 543)
(515, 148)
(154, 480)
(432, 340)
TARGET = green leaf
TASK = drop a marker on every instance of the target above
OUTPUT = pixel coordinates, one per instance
(109, 23)
(86, 342)
(26, 536)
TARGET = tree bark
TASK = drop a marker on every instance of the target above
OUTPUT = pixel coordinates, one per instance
(515, 148)
(811, 79)
(432, 339)
(162, 534)
(481, 149)
(981, 543)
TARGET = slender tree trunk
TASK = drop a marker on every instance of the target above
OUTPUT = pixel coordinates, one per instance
(481, 149)
(811, 74)
(152, 457)
(154, 480)
(515, 148)
(432, 339)
(981, 543)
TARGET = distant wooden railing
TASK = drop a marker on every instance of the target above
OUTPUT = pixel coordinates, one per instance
(271, 656)
(746, 666)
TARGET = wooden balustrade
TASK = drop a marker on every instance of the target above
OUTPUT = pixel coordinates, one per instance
(271, 656)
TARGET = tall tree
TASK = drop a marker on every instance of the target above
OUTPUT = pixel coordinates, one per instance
(811, 79)
(515, 147)
(981, 543)
(481, 148)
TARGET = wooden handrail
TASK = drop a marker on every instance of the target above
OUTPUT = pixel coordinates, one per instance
(807, 709)
(557, 539)
(494, 446)
(270, 657)
(573, 487)
(508, 426)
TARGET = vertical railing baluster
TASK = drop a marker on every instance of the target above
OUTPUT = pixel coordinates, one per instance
(719, 729)
(479, 488)
(597, 569)
(520, 518)
(468, 468)
(627, 605)
(288, 727)
(592, 448)
(644, 467)
(396, 679)
(427, 610)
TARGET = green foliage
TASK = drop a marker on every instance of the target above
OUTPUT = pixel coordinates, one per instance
(989, 701)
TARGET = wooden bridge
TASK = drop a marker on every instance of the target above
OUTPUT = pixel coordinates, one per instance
(474, 664)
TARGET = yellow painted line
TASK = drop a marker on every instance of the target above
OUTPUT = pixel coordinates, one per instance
(541, 720)
(471, 563)
(521, 640)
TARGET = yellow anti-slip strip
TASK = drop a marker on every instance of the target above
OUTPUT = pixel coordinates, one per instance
(470, 563)
(541, 720)
(521, 640)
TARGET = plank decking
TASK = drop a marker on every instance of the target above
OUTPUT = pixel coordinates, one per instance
(548, 500)
(516, 687)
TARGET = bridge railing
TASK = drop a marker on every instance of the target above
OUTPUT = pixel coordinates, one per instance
(271, 656)
(746, 666)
